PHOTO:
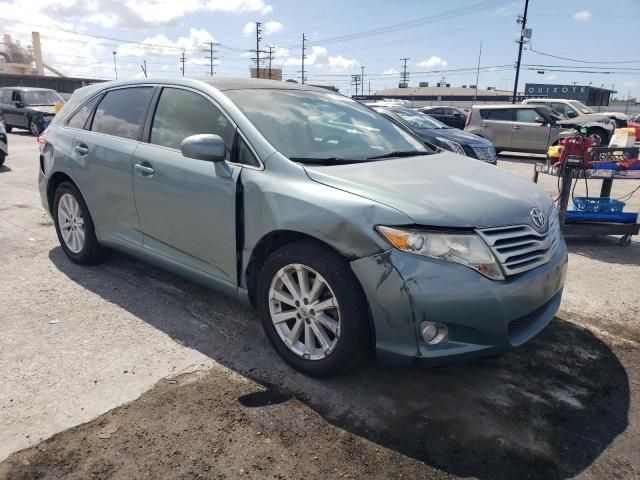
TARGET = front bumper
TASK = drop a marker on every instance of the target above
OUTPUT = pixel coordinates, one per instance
(484, 317)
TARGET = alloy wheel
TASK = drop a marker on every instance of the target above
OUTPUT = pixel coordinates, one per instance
(35, 131)
(304, 311)
(71, 223)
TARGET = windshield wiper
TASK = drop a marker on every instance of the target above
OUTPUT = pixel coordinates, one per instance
(405, 153)
(326, 160)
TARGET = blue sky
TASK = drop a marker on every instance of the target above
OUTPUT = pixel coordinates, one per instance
(442, 36)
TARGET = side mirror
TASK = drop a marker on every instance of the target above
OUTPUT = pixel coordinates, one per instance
(540, 120)
(18, 104)
(571, 114)
(457, 115)
(210, 148)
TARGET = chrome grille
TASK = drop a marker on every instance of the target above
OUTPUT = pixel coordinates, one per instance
(519, 248)
(486, 154)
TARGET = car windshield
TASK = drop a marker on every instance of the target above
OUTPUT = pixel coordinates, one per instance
(418, 119)
(581, 107)
(41, 97)
(313, 126)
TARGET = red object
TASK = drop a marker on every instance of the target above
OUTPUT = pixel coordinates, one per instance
(575, 146)
(471, 112)
(636, 126)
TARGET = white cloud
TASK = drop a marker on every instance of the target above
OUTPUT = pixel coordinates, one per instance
(272, 27)
(390, 71)
(432, 62)
(338, 62)
(197, 37)
(124, 13)
(582, 16)
(550, 77)
(268, 28)
(249, 28)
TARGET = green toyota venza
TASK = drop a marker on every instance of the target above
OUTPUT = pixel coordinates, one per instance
(346, 233)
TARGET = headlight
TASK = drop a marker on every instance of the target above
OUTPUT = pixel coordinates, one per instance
(464, 248)
(453, 146)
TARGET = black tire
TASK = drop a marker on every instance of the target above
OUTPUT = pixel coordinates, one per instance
(34, 128)
(599, 133)
(3, 157)
(92, 252)
(354, 342)
(7, 127)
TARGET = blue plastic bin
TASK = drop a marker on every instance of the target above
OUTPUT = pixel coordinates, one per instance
(598, 205)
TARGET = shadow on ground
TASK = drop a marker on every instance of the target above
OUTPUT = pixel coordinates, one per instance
(547, 410)
(4, 168)
(605, 249)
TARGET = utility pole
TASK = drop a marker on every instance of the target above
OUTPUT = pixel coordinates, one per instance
(304, 55)
(182, 60)
(369, 87)
(210, 57)
(522, 20)
(115, 66)
(258, 38)
(144, 68)
(362, 79)
(404, 75)
(475, 97)
(626, 108)
(270, 47)
(356, 80)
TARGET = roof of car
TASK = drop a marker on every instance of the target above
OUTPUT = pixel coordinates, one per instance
(509, 105)
(28, 89)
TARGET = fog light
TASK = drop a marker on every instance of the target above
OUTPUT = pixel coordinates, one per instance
(433, 333)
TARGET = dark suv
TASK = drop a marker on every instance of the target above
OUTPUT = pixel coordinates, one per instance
(28, 108)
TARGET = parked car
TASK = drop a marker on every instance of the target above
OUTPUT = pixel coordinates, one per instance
(519, 128)
(600, 126)
(4, 145)
(452, 116)
(437, 134)
(28, 108)
(342, 228)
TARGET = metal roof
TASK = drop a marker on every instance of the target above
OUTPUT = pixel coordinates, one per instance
(441, 91)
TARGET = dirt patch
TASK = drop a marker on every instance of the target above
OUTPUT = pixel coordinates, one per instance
(218, 426)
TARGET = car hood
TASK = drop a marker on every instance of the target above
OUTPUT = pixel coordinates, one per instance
(443, 189)
(453, 134)
(618, 115)
(43, 108)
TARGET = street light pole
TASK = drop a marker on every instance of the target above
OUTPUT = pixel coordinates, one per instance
(115, 66)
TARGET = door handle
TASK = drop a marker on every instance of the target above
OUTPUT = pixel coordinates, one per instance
(81, 149)
(515, 127)
(144, 169)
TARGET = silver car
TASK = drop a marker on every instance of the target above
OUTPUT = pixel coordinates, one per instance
(346, 233)
(517, 128)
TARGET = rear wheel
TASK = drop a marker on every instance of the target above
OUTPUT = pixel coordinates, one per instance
(74, 226)
(2, 158)
(313, 309)
(6, 127)
(598, 136)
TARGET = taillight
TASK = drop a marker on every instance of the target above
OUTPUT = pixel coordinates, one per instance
(466, 124)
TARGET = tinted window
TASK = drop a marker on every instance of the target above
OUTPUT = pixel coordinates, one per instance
(561, 107)
(500, 114)
(79, 119)
(418, 119)
(42, 97)
(16, 97)
(181, 113)
(526, 115)
(122, 112)
(435, 111)
(244, 155)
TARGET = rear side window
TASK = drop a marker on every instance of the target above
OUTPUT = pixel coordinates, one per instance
(79, 119)
(181, 113)
(527, 115)
(122, 112)
(505, 114)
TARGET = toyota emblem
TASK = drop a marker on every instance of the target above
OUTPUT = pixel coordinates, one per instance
(538, 217)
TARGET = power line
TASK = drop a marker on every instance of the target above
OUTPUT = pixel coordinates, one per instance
(610, 62)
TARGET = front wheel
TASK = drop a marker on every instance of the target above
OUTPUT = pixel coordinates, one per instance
(34, 128)
(6, 127)
(2, 158)
(74, 226)
(313, 309)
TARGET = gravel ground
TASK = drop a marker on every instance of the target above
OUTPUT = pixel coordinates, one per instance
(79, 343)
